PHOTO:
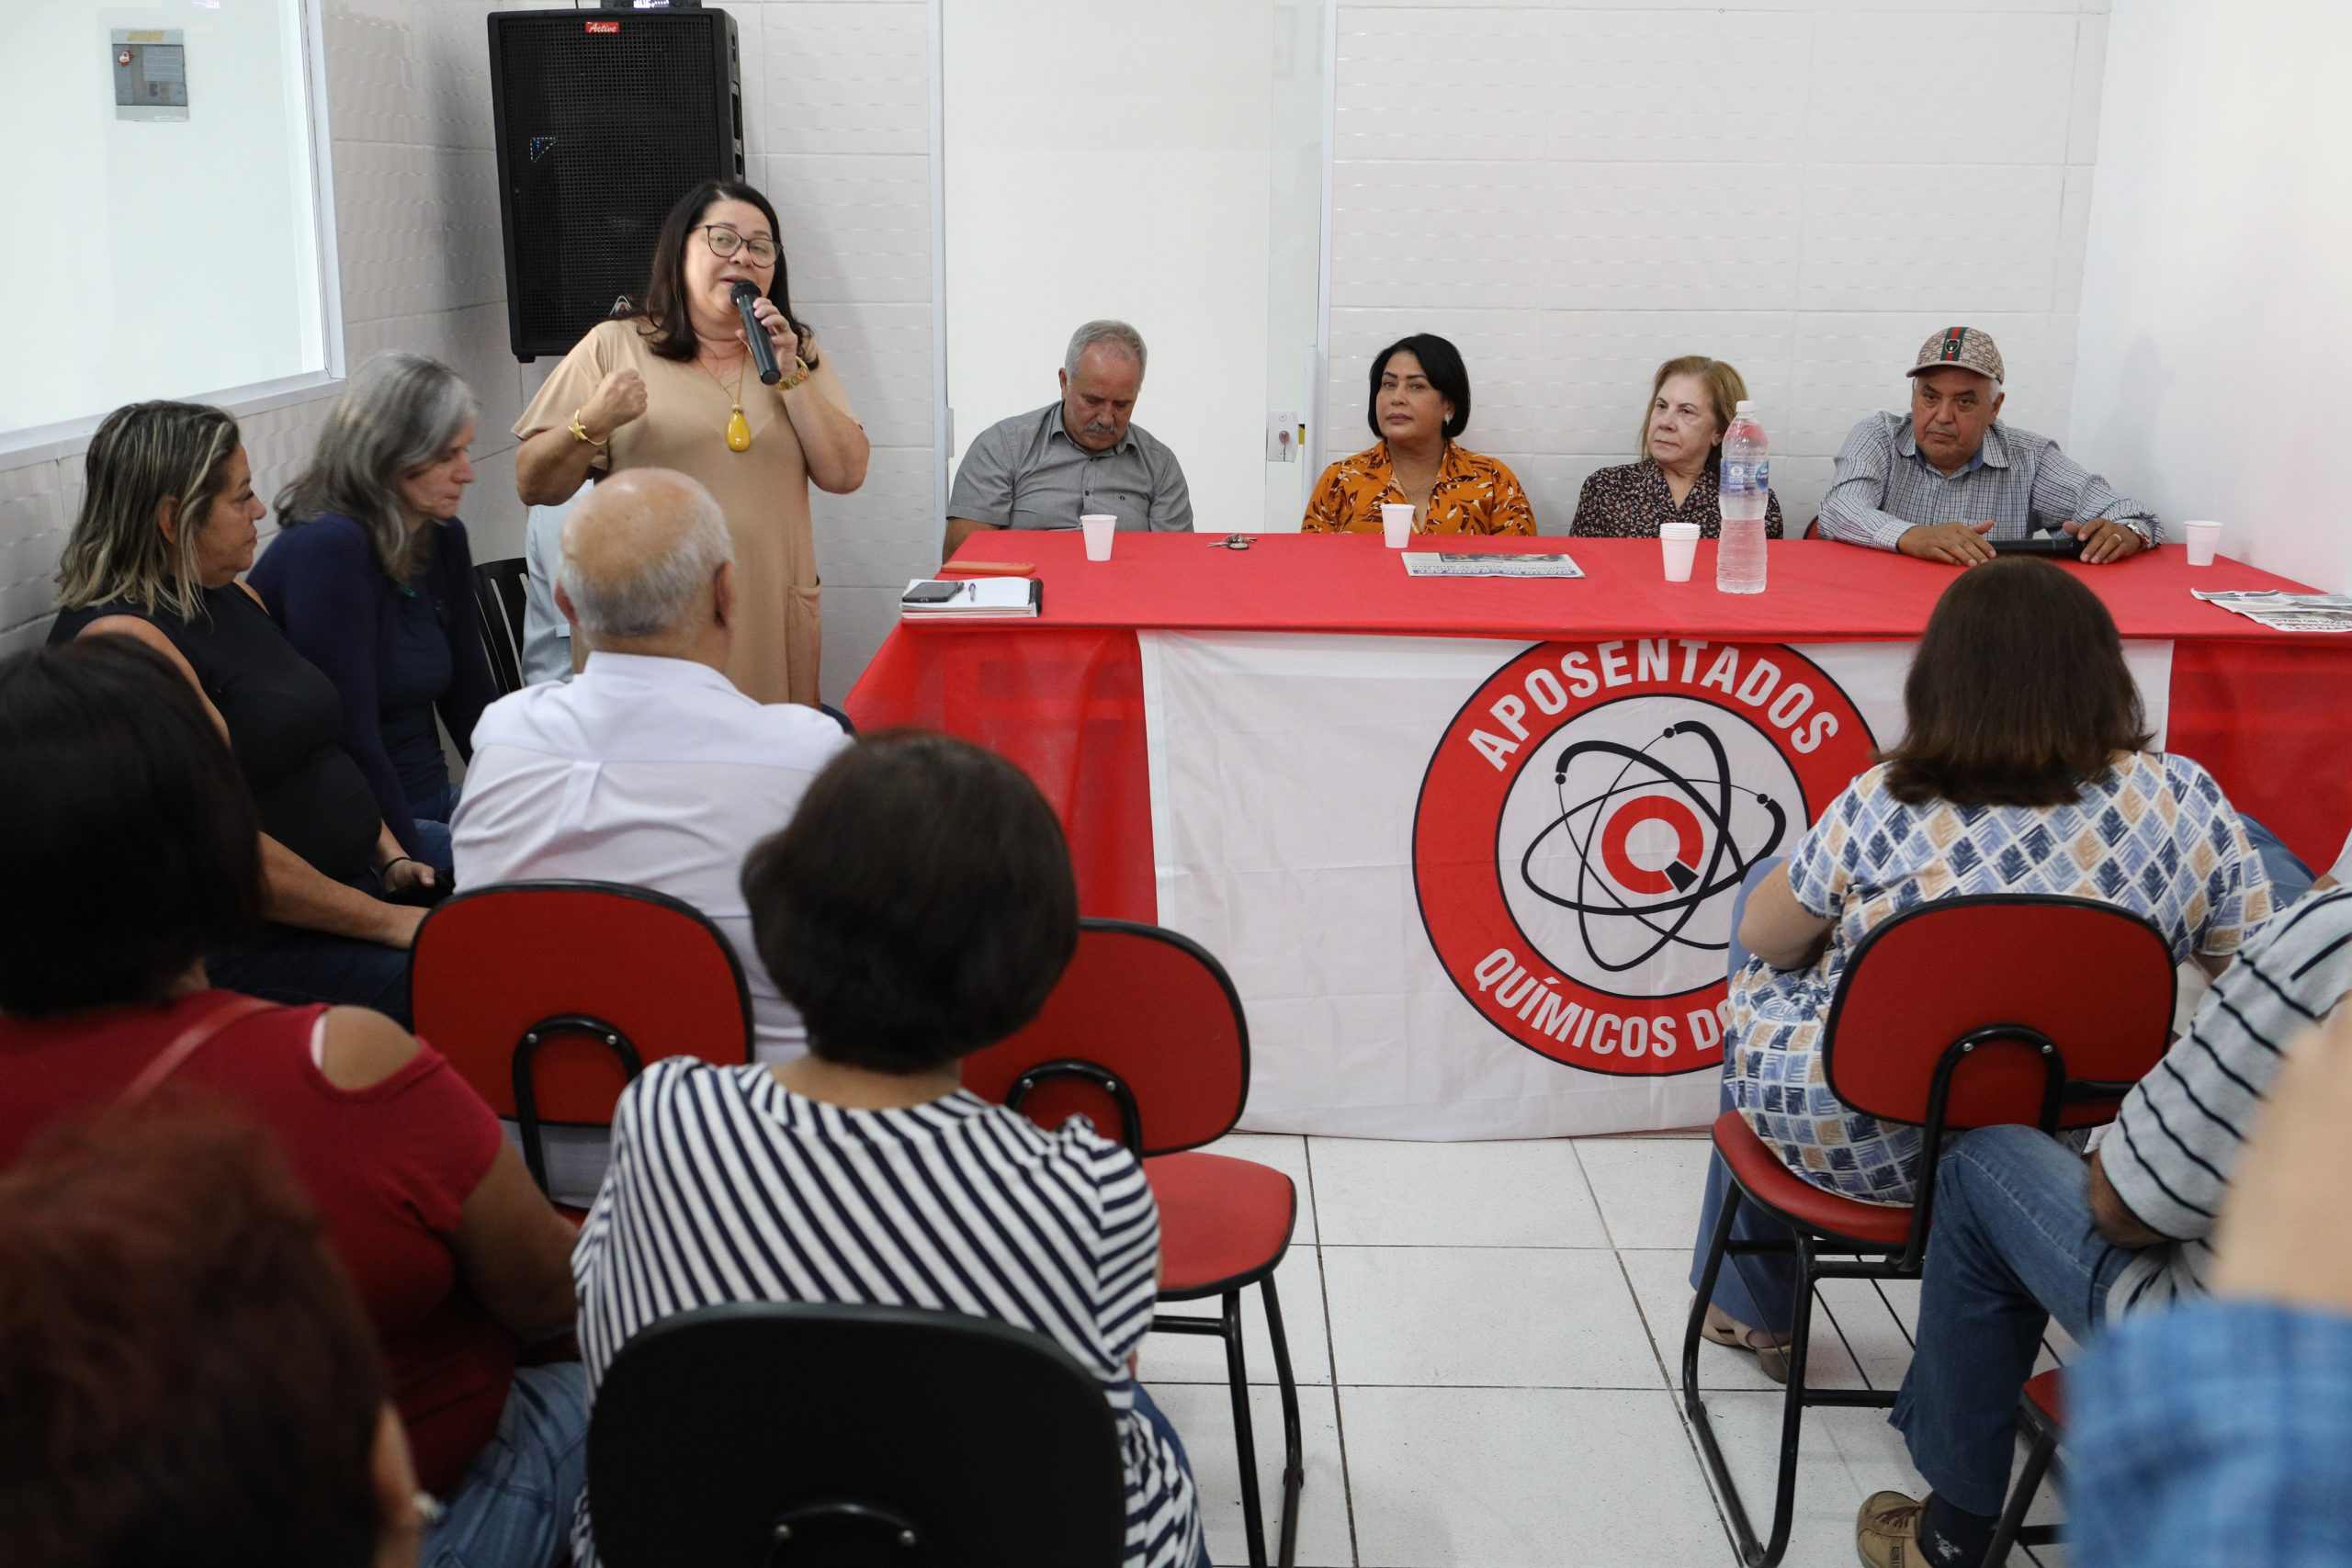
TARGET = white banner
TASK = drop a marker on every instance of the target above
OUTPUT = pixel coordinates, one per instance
(1471, 889)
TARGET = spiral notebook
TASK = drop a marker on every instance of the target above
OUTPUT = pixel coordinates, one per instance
(988, 598)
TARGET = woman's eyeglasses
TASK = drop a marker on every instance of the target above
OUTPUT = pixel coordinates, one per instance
(725, 241)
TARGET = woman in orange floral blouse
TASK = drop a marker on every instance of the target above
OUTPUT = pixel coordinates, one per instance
(1420, 401)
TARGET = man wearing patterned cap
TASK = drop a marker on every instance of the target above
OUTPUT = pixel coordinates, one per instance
(1944, 481)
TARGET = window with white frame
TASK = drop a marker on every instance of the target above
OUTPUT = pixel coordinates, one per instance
(179, 244)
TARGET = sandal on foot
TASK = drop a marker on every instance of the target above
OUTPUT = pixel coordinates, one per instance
(1770, 1350)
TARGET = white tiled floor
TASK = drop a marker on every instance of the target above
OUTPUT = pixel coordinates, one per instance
(1486, 1337)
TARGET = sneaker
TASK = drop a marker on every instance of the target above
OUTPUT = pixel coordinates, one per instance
(1886, 1532)
(1770, 1350)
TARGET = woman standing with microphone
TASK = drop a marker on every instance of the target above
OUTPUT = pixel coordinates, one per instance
(677, 385)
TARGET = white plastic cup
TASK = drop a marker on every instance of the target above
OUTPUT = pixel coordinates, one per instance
(1396, 524)
(2203, 537)
(1101, 528)
(1679, 542)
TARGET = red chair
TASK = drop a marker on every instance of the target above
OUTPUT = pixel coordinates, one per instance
(1145, 1034)
(548, 996)
(2054, 1009)
(2042, 1414)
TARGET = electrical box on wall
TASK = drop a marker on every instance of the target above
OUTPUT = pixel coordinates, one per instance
(1284, 436)
(150, 73)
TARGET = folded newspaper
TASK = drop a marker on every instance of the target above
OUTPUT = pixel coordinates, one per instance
(2285, 612)
(1464, 563)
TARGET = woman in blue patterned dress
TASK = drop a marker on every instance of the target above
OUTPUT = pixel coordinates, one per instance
(2023, 768)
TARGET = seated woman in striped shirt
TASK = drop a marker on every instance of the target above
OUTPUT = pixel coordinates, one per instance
(918, 907)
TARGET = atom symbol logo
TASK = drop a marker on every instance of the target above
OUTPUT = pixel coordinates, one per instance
(1585, 824)
(1695, 807)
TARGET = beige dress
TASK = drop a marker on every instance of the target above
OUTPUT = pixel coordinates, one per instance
(764, 491)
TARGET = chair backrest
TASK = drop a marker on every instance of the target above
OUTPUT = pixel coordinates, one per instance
(1156, 1013)
(548, 996)
(838, 1437)
(2041, 991)
(499, 595)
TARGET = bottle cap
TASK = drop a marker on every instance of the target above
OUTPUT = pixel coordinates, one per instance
(1744, 405)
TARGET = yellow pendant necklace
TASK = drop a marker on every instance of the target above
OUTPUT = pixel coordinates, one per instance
(739, 429)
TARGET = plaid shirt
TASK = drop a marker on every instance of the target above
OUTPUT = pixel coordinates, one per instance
(1883, 488)
(2217, 1435)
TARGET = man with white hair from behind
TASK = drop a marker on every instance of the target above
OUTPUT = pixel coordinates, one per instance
(648, 768)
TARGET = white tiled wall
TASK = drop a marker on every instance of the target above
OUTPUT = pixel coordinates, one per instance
(836, 105)
(1575, 191)
(835, 100)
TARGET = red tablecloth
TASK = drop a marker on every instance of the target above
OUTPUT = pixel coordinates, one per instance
(1062, 696)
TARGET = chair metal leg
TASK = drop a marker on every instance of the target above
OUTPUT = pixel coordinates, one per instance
(1245, 1442)
(1793, 1407)
(1294, 1447)
(2005, 1534)
(1708, 1274)
(1755, 1553)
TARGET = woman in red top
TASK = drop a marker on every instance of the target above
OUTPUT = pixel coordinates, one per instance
(134, 852)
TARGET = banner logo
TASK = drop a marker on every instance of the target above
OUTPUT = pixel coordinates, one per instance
(1585, 824)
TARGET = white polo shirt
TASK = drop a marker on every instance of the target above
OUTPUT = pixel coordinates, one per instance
(652, 771)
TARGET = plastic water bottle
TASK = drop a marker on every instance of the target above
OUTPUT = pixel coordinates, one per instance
(1746, 488)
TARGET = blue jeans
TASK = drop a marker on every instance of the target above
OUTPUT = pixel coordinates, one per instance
(295, 967)
(2289, 877)
(1151, 1411)
(1758, 1289)
(431, 813)
(2013, 1247)
(513, 1507)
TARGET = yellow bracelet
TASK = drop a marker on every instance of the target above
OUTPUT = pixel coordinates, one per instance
(580, 431)
(800, 372)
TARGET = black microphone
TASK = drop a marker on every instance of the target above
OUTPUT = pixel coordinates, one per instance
(763, 348)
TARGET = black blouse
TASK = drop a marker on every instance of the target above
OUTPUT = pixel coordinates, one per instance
(1628, 502)
(284, 725)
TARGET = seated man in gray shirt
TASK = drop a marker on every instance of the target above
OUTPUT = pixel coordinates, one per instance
(1076, 458)
(1940, 481)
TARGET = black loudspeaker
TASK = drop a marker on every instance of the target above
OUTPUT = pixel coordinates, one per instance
(604, 121)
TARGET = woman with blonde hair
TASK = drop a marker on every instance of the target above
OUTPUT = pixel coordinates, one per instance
(166, 524)
(372, 578)
(1691, 400)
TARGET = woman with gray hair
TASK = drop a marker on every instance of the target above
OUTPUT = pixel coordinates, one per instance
(373, 581)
